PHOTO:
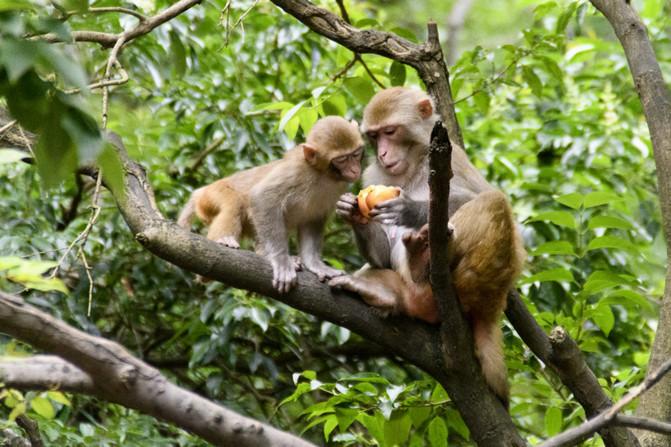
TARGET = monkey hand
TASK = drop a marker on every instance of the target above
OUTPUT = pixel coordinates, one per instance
(400, 211)
(323, 271)
(347, 207)
(284, 273)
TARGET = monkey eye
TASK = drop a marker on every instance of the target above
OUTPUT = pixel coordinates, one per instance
(389, 130)
(372, 135)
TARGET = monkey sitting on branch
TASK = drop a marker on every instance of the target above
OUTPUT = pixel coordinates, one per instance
(298, 191)
(487, 248)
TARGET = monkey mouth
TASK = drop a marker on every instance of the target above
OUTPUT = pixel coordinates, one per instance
(395, 168)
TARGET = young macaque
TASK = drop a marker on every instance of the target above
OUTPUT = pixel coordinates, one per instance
(299, 191)
(398, 122)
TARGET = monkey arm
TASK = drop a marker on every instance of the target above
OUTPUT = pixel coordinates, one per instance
(373, 244)
(272, 238)
(310, 238)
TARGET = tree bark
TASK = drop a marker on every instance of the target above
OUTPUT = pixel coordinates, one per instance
(656, 100)
(107, 370)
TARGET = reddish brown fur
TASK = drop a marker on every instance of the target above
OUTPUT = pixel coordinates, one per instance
(487, 249)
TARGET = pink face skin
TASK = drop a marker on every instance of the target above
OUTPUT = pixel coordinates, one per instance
(349, 165)
(391, 146)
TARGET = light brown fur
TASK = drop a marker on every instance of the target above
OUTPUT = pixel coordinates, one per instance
(296, 192)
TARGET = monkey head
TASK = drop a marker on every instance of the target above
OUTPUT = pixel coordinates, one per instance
(398, 122)
(334, 146)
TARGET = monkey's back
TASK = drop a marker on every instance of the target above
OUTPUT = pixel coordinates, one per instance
(488, 254)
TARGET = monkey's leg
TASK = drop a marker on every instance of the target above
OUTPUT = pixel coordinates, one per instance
(310, 236)
(378, 288)
(226, 227)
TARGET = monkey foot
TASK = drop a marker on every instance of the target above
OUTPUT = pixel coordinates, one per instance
(298, 264)
(228, 241)
(417, 241)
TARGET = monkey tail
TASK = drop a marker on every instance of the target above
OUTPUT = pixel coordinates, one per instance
(186, 215)
(488, 337)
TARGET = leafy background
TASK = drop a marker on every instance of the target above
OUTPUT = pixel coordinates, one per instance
(549, 114)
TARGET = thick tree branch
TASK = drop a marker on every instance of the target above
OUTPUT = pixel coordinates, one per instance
(426, 58)
(656, 100)
(490, 424)
(45, 372)
(117, 376)
(108, 40)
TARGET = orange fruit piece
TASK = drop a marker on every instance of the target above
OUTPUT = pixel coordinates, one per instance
(374, 194)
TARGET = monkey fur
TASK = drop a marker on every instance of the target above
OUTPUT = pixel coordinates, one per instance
(298, 191)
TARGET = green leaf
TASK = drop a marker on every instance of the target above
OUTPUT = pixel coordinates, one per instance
(543, 9)
(627, 298)
(555, 248)
(482, 101)
(329, 425)
(603, 317)
(345, 417)
(560, 218)
(59, 397)
(397, 73)
(112, 170)
(288, 115)
(610, 242)
(397, 429)
(43, 407)
(609, 222)
(599, 198)
(558, 275)
(418, 415)
(374, 424)
(12, 156)
(553, 421)
(301, 389)
(15, 5)
(601, 280)
(533, 80)
(405, 33)
(308, 117)
(564, 18)
(335, 105)
(178, 54)
(18, 56)
(573, 200)
(71, 71)
(361, 88)
(437, 432)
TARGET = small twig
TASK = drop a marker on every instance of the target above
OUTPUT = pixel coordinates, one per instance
(111, 60)
(109, 83)
(357, 56)
(345, 69)
(227, 25)
(608, 417)
(70, 213)
(642, 423)
(245, 14)
(106, 9)
(83, 236)
(7, 126)
(32, 430)
(205, 152)
(359, 59)
(87, 269)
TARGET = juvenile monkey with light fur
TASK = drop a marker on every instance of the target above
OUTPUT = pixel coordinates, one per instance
(487, 250)
(298, 191)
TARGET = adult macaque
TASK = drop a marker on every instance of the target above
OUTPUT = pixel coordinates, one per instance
(488, 250)
(298, 191)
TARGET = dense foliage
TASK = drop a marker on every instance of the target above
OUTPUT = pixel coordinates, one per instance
(548, 112)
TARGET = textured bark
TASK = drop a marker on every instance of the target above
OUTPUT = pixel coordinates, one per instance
(656, 100)
(117, 376)
(456, 341)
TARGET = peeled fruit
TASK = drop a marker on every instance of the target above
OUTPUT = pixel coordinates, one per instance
(374, 194)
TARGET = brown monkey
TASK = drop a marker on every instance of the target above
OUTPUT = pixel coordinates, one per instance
(297, 191)
(398, 122)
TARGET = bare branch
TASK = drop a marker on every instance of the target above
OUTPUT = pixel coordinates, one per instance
(588, 428)
(119, 377)
(45, 372)
(32, 430)
(108, 40)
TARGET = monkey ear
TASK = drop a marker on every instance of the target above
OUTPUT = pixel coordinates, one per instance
(425, 108)
(310, 154)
